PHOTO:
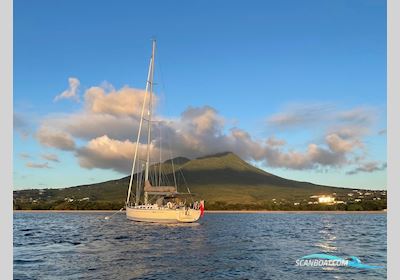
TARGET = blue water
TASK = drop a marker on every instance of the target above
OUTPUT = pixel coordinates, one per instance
(221, 246)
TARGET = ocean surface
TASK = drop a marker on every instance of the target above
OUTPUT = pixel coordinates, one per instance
(220, 246)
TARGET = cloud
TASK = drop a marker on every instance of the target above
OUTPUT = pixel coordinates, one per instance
(195, 142)
(368, 167)
(106, 111)
(382, 131)
(87, 125)
(71, 92)
(337, 144)
(56, 139)
(202, 120)
(21, 124)
(37, 165)
(198, 131)
(108, 122)
(19, 121)
(25, 156)
(343, 133)
(106, 153)
(315, 156)
(273, 142)
(349, 131)
(51, 157)
(296, 115)
(300, 116)
(124, 102)
(358, 115)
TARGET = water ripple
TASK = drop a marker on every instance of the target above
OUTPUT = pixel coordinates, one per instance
(221, 246)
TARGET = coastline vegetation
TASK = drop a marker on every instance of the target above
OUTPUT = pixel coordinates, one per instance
(357, 206)
(218, 205)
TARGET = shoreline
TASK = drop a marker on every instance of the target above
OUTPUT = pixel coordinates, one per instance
(214, 211)
(295, 212)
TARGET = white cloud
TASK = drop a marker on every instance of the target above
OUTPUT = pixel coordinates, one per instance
(25, 155)
(340, 145)
(368, 167)
(21, 124)
(124, 102)
(56, 139)
(358, 115)
(108, 124)
(273, 142)
(71, 92)
(37, 165)
(202, 120)
(87, 125)
(106, 153)
(51, 157)
(199, 131)
(315, 156)
(300, 115)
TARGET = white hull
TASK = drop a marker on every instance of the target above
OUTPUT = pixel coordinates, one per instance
(163, 215)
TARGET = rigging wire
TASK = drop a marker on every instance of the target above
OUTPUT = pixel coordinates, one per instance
(161, 75)
(159, 171)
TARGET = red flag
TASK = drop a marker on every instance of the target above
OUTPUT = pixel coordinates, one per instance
(202, 208)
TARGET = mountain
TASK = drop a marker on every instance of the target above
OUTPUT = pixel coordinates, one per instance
(219, 178)
(226, 177)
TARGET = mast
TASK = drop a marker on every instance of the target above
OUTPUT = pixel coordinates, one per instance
(148, 84)
(149, 113)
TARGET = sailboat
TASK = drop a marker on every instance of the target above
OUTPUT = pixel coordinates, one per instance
(159, 203)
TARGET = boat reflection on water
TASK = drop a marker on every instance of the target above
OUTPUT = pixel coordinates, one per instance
(179, 225)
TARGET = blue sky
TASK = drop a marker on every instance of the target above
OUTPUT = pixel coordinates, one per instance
(320, 66)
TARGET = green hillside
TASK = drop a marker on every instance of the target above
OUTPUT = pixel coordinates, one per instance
(226, 177)
(220, 179)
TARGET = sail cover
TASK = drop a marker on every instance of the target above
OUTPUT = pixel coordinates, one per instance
(149, 188)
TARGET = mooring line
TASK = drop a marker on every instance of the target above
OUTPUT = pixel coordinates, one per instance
(109, 217)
